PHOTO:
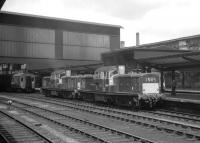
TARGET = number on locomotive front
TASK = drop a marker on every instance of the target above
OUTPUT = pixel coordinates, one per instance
(151, 94)
(150, 84)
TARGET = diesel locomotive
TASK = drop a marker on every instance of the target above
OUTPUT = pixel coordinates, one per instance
(107, 85)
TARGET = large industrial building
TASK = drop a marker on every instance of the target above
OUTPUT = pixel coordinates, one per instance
(43, 42)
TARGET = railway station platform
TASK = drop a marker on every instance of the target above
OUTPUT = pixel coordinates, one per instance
(183, 102)
(183, 68)
(187, 97)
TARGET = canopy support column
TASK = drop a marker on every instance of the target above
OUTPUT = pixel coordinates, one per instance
(162, 81)
(173, 86)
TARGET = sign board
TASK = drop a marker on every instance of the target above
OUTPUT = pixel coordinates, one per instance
(68, 72)
(23, 66)
(121, 69)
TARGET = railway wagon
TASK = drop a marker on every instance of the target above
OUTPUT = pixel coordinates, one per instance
(23, 82)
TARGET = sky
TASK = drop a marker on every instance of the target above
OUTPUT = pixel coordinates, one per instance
(155, 20)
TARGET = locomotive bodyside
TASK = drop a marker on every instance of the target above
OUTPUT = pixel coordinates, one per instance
(96, 89)
(87, 88)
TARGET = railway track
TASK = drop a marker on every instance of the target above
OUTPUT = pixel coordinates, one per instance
(193, 118)
(175, 114)
(179, 116)
(98, 132)
(190, 136)
(159, 113)
(15, 131)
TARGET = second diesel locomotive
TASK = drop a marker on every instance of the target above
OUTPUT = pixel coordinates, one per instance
(109, 86)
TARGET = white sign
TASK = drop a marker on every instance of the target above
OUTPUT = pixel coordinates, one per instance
(23, 66)
(68, 72)
(102, 75)
(149, 88)
(121, 69)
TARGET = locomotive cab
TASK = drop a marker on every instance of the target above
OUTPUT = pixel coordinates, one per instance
(140, 89)
(104, 78)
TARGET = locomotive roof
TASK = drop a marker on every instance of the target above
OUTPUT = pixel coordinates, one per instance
(72, 76)
(21, 74)
(135, 74)
(87, 76)
(106, 68)
(58, 71)
(47, 77)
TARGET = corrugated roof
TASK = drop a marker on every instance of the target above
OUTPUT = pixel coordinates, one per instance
(183, 60)
(106, 68)
(60, 19)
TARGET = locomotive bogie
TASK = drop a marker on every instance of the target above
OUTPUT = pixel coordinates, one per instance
(130, 101)
(87, 95)
(101, 98)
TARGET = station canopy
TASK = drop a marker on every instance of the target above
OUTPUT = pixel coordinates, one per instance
(181, 61)
(130, 56)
